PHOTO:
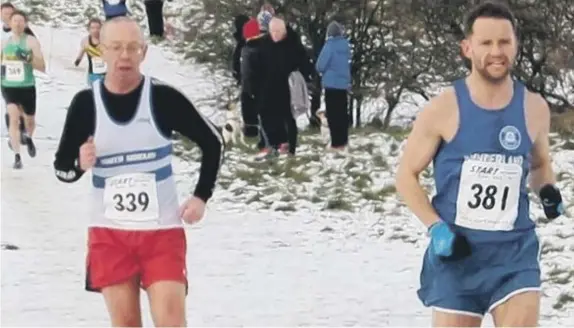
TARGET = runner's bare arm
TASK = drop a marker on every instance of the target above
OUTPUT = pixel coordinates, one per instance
(38, 58)
(79, 125)
(28, 31)
(181, 116)
(82, 51)
(541, 172)
(419, 151)
(2, 50)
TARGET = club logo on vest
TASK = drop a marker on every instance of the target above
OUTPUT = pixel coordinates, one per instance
(509, 137)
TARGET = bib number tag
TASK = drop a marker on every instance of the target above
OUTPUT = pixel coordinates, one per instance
(14, 71)
(98, 65)
(488, 195)
(131, 198)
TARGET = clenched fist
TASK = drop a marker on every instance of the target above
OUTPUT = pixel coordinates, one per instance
(192, 210)
(88, 154)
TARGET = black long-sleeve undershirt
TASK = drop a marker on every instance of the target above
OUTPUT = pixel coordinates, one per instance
(172, 112)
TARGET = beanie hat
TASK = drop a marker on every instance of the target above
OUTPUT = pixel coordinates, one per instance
(251, 29)
(264, 18)
(334, 29)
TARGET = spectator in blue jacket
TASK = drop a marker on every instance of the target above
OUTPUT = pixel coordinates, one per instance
(334, 65)
(115, 8)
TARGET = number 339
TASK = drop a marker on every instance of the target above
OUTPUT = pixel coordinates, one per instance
(130, 202)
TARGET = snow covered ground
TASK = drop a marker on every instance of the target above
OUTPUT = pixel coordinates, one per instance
(249, 265)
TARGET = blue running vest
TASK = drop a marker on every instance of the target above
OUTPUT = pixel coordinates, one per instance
(481, 174)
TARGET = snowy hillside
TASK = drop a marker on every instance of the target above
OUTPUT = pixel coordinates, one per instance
(320, 239)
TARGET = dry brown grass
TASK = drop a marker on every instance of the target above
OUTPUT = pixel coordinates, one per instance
(563, 123)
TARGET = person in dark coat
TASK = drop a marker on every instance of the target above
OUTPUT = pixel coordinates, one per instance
(249, 81)
(154, 12)
(282, 53)
(238, 23)
(334, 65)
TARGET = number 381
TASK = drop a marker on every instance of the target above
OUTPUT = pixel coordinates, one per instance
(487, 197)
(131, 202)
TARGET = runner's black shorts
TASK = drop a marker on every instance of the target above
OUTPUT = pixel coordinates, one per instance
(23, 96)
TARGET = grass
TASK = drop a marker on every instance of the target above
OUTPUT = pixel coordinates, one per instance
(362, 178)
(330, 180)
(563, 300)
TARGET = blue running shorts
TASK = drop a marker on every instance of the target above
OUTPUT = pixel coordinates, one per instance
(477, 284)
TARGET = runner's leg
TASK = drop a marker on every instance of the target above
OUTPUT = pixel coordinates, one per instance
(112, 268)
(29, 110)
(14, 115)
(446, 319)
(30, 123)
(163, 257)
(167, 303)
(516, 303)
(123, 303)
(521, 310)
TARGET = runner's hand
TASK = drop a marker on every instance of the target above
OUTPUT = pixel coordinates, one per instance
(88, 154)
(551, 201)
(25, 55)
(192, 210)
(446, 244)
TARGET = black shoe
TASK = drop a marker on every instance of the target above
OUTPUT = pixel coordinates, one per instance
(31, 147)
(23, 138)
(17, 162)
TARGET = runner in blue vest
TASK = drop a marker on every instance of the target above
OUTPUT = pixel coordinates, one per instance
(115, 8)
(484, 135)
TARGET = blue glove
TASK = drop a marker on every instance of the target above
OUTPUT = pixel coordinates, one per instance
(551, 201)
(25, 55)
(446, 244)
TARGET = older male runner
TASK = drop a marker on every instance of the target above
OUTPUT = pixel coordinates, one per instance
(121, 129)
(484, 136)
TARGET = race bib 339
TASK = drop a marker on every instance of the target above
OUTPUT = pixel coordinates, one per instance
(131, 198)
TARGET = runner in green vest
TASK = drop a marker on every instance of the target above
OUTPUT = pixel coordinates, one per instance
(21, 54)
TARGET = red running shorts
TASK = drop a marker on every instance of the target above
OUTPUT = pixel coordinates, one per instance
(115, 256)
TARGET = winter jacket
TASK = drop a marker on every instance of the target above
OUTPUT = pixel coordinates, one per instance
(334, 63)
(114, 10)
(238, 23)
(250, 59)
(277, 61)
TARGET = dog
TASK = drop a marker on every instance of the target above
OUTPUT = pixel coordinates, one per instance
(325, 132)
(232, 130)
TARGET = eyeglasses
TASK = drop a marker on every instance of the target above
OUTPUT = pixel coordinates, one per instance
(118, 48)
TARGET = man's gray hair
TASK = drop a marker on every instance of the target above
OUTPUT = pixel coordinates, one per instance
(120, 19)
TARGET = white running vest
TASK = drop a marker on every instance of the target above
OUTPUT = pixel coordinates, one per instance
(6, 35)
(133, 185)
